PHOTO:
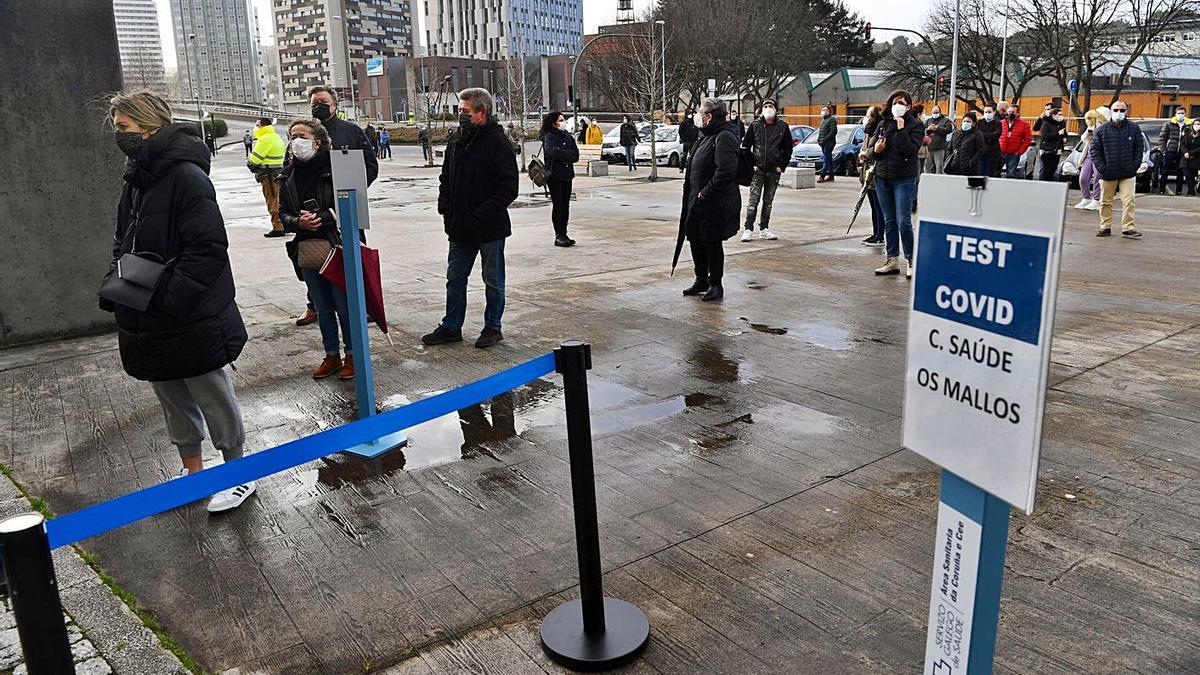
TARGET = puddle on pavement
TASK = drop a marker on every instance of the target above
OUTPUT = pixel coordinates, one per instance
(482, 430)
(816, 334)
(710, 364)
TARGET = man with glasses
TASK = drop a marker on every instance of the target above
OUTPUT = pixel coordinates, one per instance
(1117, 151)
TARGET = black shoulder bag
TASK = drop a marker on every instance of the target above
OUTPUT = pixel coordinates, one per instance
(136, 276)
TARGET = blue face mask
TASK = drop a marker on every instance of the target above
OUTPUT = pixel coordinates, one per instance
(967, 126)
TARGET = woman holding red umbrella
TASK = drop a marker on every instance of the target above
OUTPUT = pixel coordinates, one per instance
(306, 207)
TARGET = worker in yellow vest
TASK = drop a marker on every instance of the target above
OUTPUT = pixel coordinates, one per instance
(266, 163)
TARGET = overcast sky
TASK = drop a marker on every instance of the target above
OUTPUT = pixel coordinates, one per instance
(596, 13)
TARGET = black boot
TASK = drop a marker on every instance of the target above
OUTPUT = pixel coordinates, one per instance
(697, 288)
(715, 292)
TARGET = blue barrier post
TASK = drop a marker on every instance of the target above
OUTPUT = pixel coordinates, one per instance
(360, 342)
(594, 632)
(33, 588)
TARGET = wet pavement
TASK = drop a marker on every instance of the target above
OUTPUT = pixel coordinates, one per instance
(754, 499)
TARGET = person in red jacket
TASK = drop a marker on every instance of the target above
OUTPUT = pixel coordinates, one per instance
(1015, 137)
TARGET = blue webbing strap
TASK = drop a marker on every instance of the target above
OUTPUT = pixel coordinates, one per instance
(130, 508)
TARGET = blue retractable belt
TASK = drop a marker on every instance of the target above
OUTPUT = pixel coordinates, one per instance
(93, 520)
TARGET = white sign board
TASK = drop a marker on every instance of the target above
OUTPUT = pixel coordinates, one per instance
(374, 67)
(979, 331)
(952, 607)
(350, 173)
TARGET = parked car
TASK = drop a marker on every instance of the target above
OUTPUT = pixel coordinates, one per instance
(845, 153)
(799, 133)
(1068, 169)
(612, 150)
(667, 144)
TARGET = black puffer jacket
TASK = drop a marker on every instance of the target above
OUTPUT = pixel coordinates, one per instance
(966, 149)
(1051, 139)
(991, 135)
(899, 159)
(771, 145)
(629, 134)
(478, 181)
(169, 207)
(1117, 151)
(1189, 143)
(561, 153)
(712, 201)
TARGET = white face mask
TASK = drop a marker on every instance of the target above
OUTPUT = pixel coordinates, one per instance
(698, 120)
(989, 116)
(1196, 128)
(937, 115)
(824, 113)
(302, 149)
(1119, 115)
(898, 109)
(768, 113)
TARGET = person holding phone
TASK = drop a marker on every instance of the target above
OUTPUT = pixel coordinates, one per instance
(306, 207)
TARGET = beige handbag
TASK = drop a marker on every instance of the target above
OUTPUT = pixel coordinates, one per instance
(311, 254)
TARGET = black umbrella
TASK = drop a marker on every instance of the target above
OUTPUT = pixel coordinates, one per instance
(682, 221)
(868, 179)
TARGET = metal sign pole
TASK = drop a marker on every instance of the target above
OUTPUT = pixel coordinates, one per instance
(360, 343)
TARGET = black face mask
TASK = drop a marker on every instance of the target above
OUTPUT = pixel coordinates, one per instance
(464, 120)
(131, 143)
(322, 111)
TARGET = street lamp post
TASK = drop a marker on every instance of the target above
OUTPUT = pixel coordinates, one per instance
(195, 85)
(345, 35)
(954, 67)
(653, 131)
(663, 25)
(1003, 57)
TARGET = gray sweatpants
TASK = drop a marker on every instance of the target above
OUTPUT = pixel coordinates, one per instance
(189, 403)
(762, 187)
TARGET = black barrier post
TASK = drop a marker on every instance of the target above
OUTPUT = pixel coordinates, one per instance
(33, 590)
(594, 632)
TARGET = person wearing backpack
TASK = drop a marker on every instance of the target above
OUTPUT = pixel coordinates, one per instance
(561, 153)
(712, 200)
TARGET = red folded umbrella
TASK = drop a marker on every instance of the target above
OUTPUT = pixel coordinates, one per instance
(334, 270)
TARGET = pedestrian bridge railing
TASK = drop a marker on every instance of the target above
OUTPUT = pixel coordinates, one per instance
(575, 634)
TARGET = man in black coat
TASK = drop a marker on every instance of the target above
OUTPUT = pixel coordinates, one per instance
(689, 133)
(478, 182)
(769, 139)
(712, 200)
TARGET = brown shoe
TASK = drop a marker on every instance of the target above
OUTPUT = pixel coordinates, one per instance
(329, 366)
(308, 317)
(347, 370)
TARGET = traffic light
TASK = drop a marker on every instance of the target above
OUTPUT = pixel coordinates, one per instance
(867, 31)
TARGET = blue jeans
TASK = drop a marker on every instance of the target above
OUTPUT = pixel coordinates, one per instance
(1010, 165)
(985, 165)
(877, 226)
(631, 155)
(329, 302)
(459, 262)
(827, 160)
(895, 199)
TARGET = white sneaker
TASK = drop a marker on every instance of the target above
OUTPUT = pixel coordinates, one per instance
(1083, 203)
(227, 500)
(767, 234)
(747, 235)
(908, 269)
(1093, 205)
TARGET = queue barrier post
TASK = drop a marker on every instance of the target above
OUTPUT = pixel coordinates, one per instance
(593, 632)
(33, 591)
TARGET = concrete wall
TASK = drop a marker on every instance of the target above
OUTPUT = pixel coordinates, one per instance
(60, 172)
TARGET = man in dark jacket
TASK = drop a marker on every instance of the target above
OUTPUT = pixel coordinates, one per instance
(1173, 130)
(1052, 126)
(689, 133)
(769, 139)
(1117, 150)
(989, 126)
(938, 128)
(827, 139)
(712, 201)
(478, 181)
